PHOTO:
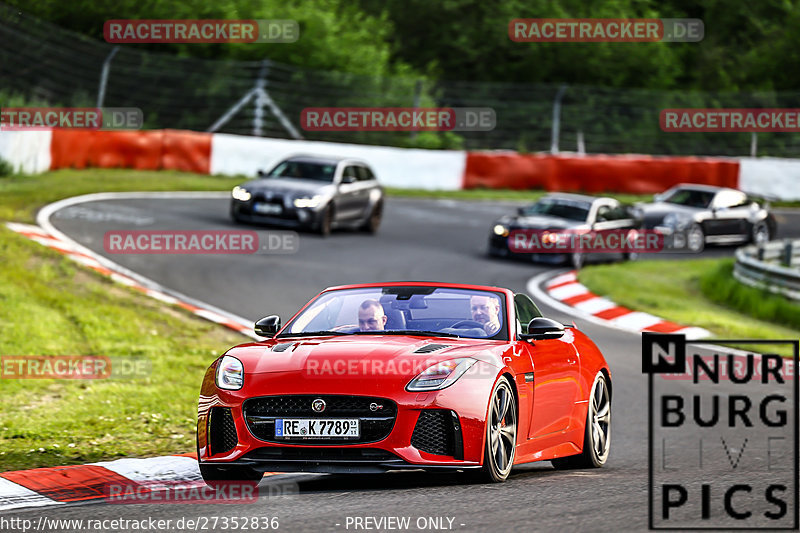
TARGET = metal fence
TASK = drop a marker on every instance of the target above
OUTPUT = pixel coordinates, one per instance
(774, 266)
(41, 63)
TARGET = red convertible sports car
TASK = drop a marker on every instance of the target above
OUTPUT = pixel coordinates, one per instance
(376, 377)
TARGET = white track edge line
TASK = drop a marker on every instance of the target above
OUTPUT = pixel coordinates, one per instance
(43, 220)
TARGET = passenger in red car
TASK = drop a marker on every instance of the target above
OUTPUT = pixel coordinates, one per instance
(486, 311)
(371, 316)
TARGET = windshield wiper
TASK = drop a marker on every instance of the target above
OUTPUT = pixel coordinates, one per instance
(312, 334)
(407, 332)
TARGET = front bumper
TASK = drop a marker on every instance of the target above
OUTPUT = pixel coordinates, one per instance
(465, 401)
(498, 246)
(290, 217)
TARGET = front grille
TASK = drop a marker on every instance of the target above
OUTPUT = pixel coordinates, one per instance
(285, 213)
(322, 455)
(438, 432)
(221, 430)
(376, 416)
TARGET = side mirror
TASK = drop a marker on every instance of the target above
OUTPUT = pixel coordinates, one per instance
(348, 179)
(261, 173)
(268, 326)
(521, 211)
(543, 328)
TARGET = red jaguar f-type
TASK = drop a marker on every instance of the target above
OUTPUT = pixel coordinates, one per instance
(375, 377)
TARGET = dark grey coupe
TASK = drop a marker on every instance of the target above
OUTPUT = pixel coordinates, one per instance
(316, 193)
(559, 212)
(691, 216)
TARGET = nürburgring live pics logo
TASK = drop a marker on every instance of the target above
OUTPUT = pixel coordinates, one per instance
(722, 434)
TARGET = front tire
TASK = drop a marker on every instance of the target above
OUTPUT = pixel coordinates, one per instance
(325, 221)
(501, 434)
(577, 260)
(760, 233)
(597, 432)
(695, 239)
(374, 220)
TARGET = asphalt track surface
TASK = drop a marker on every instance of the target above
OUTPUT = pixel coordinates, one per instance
(442, 240)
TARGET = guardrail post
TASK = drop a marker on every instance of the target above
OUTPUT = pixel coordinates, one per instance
(786, 258)
(760, 252)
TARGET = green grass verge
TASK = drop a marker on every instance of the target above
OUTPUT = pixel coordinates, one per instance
(21, 196)
(51, 306)
(699, 292)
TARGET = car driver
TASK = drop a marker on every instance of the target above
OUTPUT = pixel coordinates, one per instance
(371, 316)
(486, 311)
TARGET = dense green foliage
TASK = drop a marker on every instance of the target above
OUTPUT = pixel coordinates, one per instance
(747, 45)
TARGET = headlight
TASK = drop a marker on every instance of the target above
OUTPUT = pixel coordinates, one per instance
(501, 230)
(230, 373)
(307, 202)
(550, 238)
(675, 221)
(440, 375)
(241, 194)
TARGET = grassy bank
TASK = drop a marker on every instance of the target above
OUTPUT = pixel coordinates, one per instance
(700, 292)
(51, 306)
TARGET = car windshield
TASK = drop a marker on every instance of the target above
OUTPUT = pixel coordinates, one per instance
(561, 208)
(304, 170)
(404, 310)
(689, 197)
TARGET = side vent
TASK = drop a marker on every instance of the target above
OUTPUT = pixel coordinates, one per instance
(221, 430)
(428, 348)
(282, 346)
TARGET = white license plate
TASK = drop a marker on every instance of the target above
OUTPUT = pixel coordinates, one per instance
(317, 427)
(268, 209)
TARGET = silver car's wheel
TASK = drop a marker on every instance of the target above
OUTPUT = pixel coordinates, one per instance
(577, 259)
(695, 239)
(501, 434)
(372, 223)
(760, 234)
(597, 434)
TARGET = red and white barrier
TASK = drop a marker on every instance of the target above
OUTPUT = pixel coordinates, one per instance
(207, 153)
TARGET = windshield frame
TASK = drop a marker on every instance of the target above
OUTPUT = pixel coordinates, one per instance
(504, 334)
(574, 204)
(665, 197)
(272, 176)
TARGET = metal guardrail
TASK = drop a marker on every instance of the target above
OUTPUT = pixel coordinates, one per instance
(774, 266)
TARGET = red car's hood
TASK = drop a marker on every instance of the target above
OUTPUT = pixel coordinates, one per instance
(360, 355)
